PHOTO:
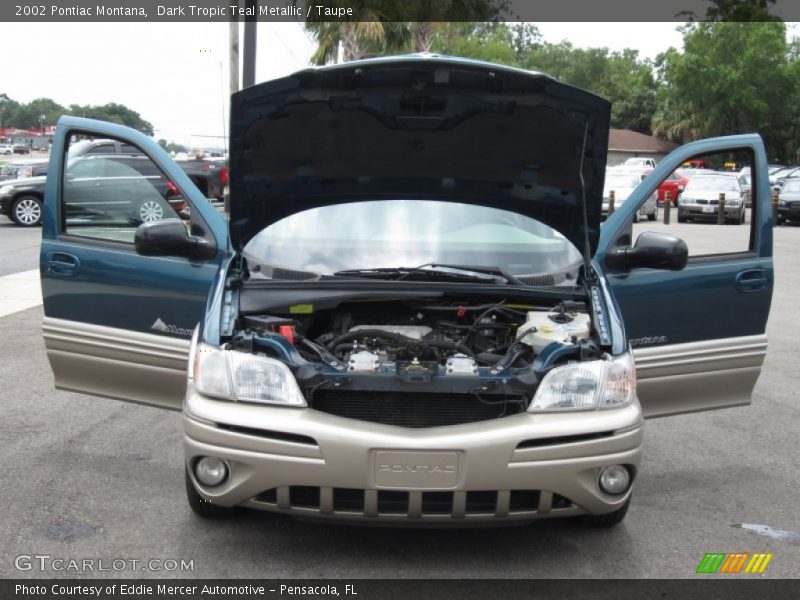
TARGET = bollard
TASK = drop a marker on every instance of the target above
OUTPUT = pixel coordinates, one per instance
(667, 206)
(774, 209)
(721, 209)
(611, 203)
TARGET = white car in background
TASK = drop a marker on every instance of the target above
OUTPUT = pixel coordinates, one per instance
(640, 161)
(700, 198)
(6, 149)
(622, 182)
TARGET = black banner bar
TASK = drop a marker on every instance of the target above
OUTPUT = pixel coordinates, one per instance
(706, 587)
(31, 11)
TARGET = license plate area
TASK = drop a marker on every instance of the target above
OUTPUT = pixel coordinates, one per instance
(709, 209)
(416, 470)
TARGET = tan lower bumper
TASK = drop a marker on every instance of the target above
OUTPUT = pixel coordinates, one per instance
(520, 467)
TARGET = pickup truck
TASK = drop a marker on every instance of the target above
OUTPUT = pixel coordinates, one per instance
(210, 176)
(21, 198)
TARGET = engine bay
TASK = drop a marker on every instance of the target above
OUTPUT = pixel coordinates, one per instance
(370, 351)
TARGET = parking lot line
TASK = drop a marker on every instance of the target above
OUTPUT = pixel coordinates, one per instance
(19, 291)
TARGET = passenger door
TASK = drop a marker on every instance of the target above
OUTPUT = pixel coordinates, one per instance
(698, 335)
(118, 324)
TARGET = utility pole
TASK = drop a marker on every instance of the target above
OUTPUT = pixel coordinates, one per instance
(234, 52)
(250, 29)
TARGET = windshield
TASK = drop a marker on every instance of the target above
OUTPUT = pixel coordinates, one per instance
(792, 185)
(725, 184)
(410, 233)
(614, 182)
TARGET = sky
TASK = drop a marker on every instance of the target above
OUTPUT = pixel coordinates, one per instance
(176, 75)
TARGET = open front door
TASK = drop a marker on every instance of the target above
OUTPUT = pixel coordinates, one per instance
(118, 324)
(699, 334)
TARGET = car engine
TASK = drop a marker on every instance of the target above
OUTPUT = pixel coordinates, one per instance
(360, 357)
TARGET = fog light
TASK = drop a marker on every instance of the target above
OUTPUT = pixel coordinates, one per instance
(615, 479)
(210, 471)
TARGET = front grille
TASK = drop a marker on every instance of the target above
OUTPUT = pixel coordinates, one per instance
(412, 504)
(409, 409)
(712, 202)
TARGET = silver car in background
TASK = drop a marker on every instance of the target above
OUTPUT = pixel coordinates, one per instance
(789, 201)
(622, 182)
(700, 198)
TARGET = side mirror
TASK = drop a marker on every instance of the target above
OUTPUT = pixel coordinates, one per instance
(169, 237)
(652, 249)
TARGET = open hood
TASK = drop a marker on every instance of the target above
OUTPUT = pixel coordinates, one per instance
(419, 127)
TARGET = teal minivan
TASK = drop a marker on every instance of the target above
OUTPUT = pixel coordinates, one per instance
(411, 314)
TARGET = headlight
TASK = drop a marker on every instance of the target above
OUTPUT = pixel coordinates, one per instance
(781, 201)
(587, 385)
(732, 201)
(6, 189)
(245, 377)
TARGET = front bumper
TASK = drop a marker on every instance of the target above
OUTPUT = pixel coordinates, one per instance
(700, 211)
(312, 464)
(789, 212)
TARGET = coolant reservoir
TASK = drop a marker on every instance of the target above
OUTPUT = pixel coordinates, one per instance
(543, 328)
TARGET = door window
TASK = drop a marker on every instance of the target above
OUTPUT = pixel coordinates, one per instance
(694, 192)
(106, 197)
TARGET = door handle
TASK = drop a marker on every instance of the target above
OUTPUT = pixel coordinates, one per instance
(754, 280)
(63, 264)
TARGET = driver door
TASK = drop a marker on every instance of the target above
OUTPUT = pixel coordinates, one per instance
(118, 324)
(699, 334)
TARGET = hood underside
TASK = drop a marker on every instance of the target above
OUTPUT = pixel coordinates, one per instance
(419, 127)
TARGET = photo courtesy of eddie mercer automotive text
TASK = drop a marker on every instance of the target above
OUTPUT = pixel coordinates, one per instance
(412, 314)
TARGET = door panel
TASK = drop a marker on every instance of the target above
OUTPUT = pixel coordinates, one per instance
(698, 335)
(118, 324)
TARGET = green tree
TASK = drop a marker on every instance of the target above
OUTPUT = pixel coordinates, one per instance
(172, 146)
(736, 10)
(29, 116)
(8, 108)
(113, 112)
(730, 78)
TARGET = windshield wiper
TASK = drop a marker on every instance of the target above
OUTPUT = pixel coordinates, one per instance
(497, 271)
(414, 273)
(435, 271)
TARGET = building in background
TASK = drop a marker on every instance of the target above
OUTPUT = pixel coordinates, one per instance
(624, 144)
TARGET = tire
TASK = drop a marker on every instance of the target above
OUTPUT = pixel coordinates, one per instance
(741, 217)
(682, 219)
(27, 211)
(654, 215)
(781, 220)
(150, 210)
(609, 520)
(203, 507)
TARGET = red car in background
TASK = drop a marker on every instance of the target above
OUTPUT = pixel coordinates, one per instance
(673, 184)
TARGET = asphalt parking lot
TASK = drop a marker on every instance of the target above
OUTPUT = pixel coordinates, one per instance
(91, 478)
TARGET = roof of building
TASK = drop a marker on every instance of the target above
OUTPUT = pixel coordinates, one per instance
(625, 140)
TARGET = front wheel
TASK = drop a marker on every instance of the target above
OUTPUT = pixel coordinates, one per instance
(203, 507)
(608, 520)
(27, 211)
(150, 210)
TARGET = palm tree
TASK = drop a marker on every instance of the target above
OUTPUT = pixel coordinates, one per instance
(381, 26)
(366, 30)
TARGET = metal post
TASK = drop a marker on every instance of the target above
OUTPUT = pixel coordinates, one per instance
(721, 209)
(234, 53)
(667, 207)
(611, 195)
(250, 43)
(775, 208)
